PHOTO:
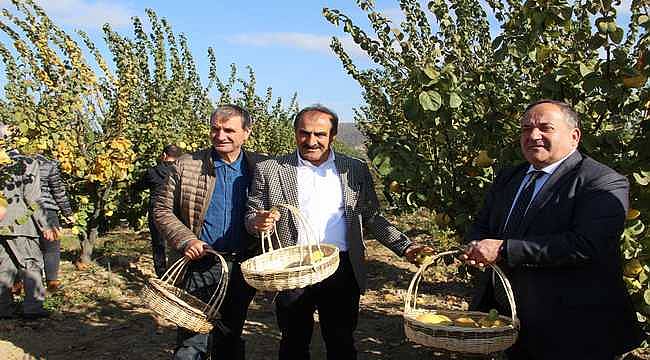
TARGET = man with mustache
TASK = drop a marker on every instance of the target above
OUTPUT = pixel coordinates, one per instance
(202, 204)
(336, 195)
(554, 225)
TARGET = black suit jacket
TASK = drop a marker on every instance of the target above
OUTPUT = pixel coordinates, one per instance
(564, 261)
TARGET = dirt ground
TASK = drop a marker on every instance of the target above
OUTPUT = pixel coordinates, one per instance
(99, 315)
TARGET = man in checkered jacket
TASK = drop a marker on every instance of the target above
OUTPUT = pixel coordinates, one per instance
(336, 195)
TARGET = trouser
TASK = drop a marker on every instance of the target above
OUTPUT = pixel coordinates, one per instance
(337, 301)
(225, 338)
(158, 248)
(20, 257)
(51, 249)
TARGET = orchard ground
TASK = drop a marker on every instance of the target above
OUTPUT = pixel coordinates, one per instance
(99, 315)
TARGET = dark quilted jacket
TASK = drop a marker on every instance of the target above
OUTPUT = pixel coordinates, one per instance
(53, 193)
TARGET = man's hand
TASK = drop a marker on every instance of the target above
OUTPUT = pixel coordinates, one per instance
(416, 254)
(194, 249)
(51, 234)
(264, 220)
(70, 220)
(481, 253)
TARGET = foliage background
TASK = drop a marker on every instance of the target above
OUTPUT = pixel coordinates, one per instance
(444, 100)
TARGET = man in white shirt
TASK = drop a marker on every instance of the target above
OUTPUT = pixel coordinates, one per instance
(554, 225)
(336, 194)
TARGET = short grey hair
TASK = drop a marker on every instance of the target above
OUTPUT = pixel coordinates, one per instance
(570, 116)
(227, 111)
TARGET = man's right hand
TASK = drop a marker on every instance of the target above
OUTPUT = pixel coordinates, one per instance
(264, 220)
(51, 234)
(194, 249)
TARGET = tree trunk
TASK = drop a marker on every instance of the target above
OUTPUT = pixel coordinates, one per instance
(87, 240)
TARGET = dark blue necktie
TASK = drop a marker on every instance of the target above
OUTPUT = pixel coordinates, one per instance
(514, 221)
(521, 204)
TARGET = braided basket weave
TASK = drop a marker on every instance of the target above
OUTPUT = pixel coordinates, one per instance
(459, 339)
(179, 306)
(290, 267)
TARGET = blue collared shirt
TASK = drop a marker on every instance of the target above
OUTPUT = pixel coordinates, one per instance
(223, 226)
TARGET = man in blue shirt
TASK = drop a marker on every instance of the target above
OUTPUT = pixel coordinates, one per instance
(201, 205)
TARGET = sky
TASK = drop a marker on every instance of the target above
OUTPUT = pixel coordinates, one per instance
(286, 42)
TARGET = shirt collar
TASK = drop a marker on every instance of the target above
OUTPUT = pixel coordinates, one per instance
(329, 161)
(551, 168)
(218, 161)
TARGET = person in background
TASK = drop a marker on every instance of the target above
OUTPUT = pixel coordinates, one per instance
(20, 255)
(53, 199)
(153, 180)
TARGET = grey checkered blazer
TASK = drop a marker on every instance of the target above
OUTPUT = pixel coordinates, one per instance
(275, 183)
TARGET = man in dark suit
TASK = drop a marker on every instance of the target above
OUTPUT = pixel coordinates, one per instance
(335, 193)
(554, 224)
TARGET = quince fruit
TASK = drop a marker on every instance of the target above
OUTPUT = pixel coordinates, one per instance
(465, 322)
(317, 255)
(483, 159)
(434, 319)
(632, 268)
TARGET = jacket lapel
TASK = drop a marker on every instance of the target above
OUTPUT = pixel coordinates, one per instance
(346, 177)
(509, 195)
(288, 177)
(550, 187)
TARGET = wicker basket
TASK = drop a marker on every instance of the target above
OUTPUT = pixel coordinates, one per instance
(456, 338)
(290, 267)
(179, 306)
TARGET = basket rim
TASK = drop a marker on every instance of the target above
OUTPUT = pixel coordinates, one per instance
(246, 268)
(410, 300)
(159, 287)
(509, 327)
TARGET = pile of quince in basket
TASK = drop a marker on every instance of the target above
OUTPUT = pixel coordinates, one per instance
(491, 320)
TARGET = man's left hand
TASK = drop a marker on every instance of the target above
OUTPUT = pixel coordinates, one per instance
(416, 254)
(481, 253)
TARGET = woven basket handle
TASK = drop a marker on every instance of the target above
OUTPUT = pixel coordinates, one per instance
(302, 223)
(212, 307)
(176, 270)
(410, 301)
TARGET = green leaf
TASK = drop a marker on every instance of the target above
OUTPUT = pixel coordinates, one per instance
(22, 220)
(431, 72)
(23, 127)
(617, 36)
(430, 100)
(641, 180)
(585, 70)
(646, 296)
(454, 100)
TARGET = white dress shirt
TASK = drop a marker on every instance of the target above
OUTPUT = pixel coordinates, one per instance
(320, 197)
(548, 171)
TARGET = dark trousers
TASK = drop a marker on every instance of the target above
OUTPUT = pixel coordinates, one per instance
(51, 249)
(158, 248)
(337, 301)
(224, 341)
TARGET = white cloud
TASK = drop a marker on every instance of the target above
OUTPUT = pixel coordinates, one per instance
(304, 41)
(84, 14)
(396, 15)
